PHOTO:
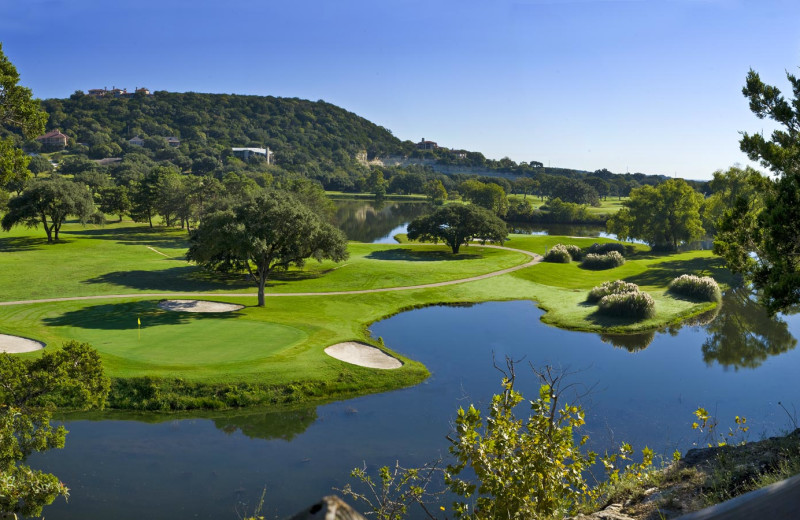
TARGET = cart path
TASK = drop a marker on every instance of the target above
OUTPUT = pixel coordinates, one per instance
(534, 259)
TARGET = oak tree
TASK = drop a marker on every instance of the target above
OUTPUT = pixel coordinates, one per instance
(272, 232)
(457, 225)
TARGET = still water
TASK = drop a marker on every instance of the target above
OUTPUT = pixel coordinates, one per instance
(641, 389)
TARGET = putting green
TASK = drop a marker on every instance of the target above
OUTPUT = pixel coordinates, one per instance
(178, 340)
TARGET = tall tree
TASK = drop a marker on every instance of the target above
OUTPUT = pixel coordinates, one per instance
(272, 232)
(457, 225)
(71, 376)
(663, 216)
(49, 203)
(20, 111)
(763, 240)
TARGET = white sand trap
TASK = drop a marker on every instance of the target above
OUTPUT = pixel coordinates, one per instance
(16, 345)
(362, 355)
(198, 306)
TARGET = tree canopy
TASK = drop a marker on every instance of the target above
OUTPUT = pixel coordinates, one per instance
(457, 225)
(20, 111)
(71, 376)
(272, 232)
(49, 203)
(663, 216)
(761, 238)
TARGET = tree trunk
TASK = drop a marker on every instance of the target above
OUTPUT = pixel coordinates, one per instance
(455, 248)
(262, 281)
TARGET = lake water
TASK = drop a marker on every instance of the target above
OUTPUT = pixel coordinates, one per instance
(641, 389)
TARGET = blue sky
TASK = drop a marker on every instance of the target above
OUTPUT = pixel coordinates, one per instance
(648, 85)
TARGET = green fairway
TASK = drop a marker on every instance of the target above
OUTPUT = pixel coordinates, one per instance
(276, 352)
(128, 258)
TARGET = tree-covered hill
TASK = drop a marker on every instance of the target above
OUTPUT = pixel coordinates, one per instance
(299, 132)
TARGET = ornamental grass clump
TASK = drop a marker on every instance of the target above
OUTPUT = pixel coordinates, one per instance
(615, 287)
(628, 305)
(607, 261)
(601, 249)
(702, 288)
(558, 254)
(575, 252)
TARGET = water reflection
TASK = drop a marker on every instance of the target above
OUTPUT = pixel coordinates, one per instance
(743, 335)
(369, 221)
(630, 342)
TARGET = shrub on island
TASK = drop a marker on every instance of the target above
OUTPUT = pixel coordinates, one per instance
(615, 287)
(601, 249)
(628, 305)
(558, 254)
(702, 288)
(607, 261)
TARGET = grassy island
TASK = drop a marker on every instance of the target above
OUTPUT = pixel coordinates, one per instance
(274, 355)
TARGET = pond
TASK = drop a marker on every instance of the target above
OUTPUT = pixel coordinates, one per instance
(378, 223)
(641, 389)
(373, 222)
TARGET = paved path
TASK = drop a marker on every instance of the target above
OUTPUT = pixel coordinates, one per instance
(534, 259)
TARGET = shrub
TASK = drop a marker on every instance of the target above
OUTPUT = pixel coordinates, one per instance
(628, 305)
(607, 261)
(601, 249)
(558, 254)
(700, 288)
(574, 251)
(616, 287)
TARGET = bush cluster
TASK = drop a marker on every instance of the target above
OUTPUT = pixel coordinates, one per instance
(601, 249)
(628, 305)
(698, 287)
(616, 287)
(558, 254)
(607, 261)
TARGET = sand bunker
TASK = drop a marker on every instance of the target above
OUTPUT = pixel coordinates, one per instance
(198, 306)
(362, 355)
(16, 345)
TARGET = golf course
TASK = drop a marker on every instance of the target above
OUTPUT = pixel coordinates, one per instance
(106, 286)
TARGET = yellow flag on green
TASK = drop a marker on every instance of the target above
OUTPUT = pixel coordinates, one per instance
(140, 321)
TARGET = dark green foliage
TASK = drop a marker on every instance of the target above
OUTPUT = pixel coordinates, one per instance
(634, 305)
(601, 249)
(702, 288)
(312, 138)
(769, 230)
(49, 203)
(272, 232)
(615, 287)
(457, 225)
(607, 261)
(664, 216)
(558, 254)
(71, 376)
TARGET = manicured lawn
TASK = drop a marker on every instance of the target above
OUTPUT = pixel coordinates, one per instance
(282, 344)
(129, 258)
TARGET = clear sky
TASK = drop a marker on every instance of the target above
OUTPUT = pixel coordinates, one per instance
(650, 85)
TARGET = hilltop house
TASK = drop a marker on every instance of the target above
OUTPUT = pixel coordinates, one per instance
(136, 141)
(427, 145)
(245, 153)
(53, 139)
(173, 141)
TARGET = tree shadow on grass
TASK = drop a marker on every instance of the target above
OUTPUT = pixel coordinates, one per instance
(134, 235)
(177, 279)
(124, 316)
(663, 273)
(411, 255)
(10, 244)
